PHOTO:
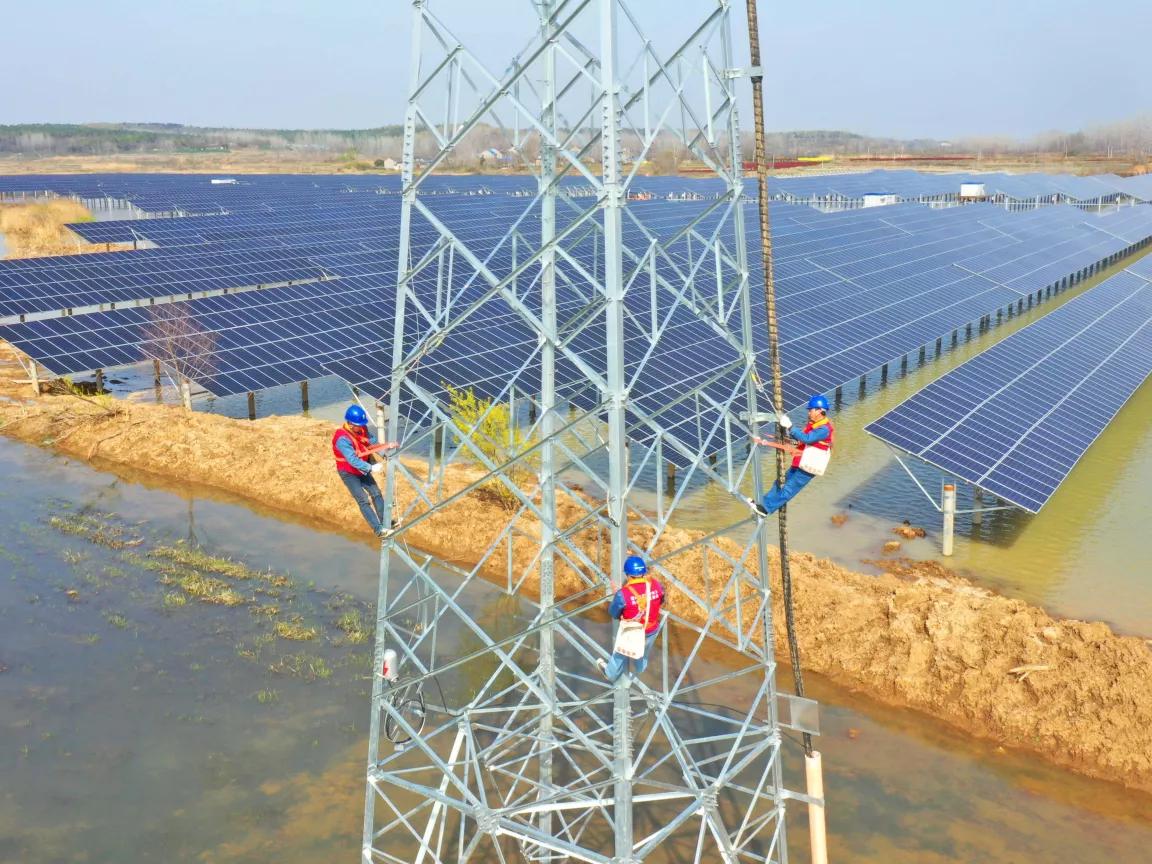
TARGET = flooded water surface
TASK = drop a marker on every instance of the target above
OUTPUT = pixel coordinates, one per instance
(145, 717)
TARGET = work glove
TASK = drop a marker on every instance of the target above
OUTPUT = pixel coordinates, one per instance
(784, 420)
(378, 469)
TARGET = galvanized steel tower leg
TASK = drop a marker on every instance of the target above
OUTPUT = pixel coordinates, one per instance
(547, 190)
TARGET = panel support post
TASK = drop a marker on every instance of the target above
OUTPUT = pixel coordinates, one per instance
(251, 405)
(186, 393)
(34, 376)
(948, 507)
(977, 503)
(99, 381)
(303, 395)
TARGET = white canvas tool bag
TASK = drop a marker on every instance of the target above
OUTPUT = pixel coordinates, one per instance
(630, 635)
(814, 460)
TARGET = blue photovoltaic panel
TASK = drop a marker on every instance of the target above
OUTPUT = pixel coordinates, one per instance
(1016, 419)
(233, 343)
(856, 288)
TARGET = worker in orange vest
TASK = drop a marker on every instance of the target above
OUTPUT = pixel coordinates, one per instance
(352, 445)
(815, 440)
(638, 600)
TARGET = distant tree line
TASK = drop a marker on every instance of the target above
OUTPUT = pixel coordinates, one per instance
(32, 140)
(489, 147)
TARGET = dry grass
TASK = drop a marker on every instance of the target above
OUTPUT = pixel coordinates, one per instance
(36, 230)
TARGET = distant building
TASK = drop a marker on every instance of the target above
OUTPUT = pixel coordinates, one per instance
(972, 192)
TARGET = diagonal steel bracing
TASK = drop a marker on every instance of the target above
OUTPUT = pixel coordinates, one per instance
(601, 337)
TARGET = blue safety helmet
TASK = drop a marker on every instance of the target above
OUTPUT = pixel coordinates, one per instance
(819, 401)
(356, 416)
(634, 566)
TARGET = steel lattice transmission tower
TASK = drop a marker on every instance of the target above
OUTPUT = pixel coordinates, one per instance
(603, 337)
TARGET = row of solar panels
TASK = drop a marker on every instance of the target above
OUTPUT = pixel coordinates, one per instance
(866, 299)
(1017, 418)
(32, 286)
(192, 194)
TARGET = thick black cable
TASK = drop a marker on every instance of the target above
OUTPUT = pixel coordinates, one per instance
(773, 337)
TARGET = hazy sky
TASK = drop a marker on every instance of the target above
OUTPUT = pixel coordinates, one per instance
(882, 67)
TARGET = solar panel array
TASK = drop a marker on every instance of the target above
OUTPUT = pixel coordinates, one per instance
(184, 194)
(232, 343)
(1016, 419)
(856, 289)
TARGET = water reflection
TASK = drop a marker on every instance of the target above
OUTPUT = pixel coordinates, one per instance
(117, 742)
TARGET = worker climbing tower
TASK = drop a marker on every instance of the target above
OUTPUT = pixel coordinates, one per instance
(571, 376)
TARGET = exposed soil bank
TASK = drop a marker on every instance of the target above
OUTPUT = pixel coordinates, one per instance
(1071, 691)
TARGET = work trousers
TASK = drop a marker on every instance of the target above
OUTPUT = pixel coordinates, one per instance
(619, 663)
(778, 496)
(367, 495)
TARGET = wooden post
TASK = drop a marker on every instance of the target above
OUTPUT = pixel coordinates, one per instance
(34, 376)
(251, 406)
(670, 471)
(99, 380)
(977, 503)
(186, 393)
(304, 396)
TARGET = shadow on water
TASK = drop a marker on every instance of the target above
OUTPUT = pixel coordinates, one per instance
(999, 525)
(132, 727)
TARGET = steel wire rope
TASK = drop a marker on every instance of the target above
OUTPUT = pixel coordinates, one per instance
(757, 76)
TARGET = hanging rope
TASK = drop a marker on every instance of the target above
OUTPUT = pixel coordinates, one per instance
(773, 339)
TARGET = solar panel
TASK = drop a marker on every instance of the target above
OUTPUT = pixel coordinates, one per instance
(1016, 419)
(856, 288)
(229, 344)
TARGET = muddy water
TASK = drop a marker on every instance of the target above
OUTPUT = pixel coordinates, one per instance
(132, 729)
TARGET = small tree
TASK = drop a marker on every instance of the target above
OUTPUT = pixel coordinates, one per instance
(493, 430)
(173, 337)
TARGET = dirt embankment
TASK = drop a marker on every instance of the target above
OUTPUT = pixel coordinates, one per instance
(920, 636)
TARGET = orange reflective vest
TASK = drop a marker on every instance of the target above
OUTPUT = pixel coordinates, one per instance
(640, 595)
(360, 444)
(826, 444)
